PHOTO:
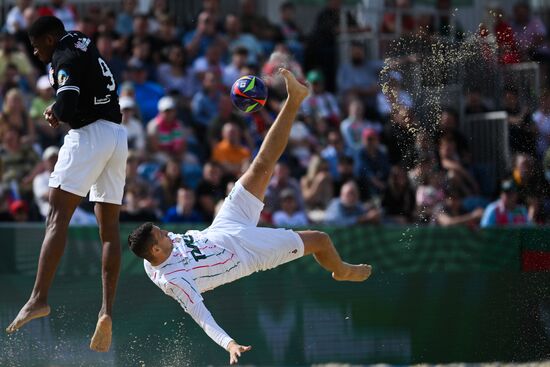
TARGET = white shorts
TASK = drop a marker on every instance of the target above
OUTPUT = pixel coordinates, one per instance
(93, 158)
(258, 248)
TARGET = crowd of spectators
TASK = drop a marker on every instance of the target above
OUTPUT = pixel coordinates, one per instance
(355, 155)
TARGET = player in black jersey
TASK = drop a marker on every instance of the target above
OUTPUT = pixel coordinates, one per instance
(92, 159)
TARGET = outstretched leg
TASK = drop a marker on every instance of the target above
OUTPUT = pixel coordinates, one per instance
(258, 175)
(321, 247)
(62, 207)
(107, 217)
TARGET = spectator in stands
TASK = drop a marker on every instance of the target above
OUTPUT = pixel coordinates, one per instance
(138, 205)
(430, 194)
(10, 54)
(197, 40)
(453, 213)
(176, 77)
(133, 178)
(398, 198)
(235, 38)
(146, 93)
(495, 23)
(15, 21)
(541, 118)
(204, 105)
(226, 113)
(281, 180)
(317, 186)
(211, 62)
(399, 136)
(456, 172)
(474, 102)
(521, 130)
(289, 215)
(352, 127)
(320, 104)
(14, 115)
(348, 210)
(332, 151)
(141, 35)
(166, 134)
(232, 71)
(230, 152)
(19, 162)
(345, 172)
(184, 211)
(531, 187)
(372, 165)
(142, 50)
(134, 127)
(66, 13)
(46, 136)
(105, 43)
(393, 95)
(107, 25)
(210, 189)
(291, 31)
(125, 17)
(505, 211)
(449, 127)
(358, 77)
(19, 210)
(403, 21)
(40, 187)
(169, 179)
(530, 33)
(167, 34)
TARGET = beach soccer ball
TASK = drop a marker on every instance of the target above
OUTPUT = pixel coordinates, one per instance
(249, 93)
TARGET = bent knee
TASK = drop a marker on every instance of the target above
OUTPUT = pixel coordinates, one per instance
(314, 241)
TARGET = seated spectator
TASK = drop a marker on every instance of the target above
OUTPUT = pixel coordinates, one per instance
(196, 41)
(19, 162)
(531, 186)
(302, 143)
(169, 179)
(449, 126)
(372, 165)
(348, 210)
(392, 95)
(457, 174)
(332, 152)
(506, 211)
(210, 62)
(106, 44)
(204, 105)
(290, 30)
(289, 215)
(138, 205)
(316, 184)
(184, 211)
(398, 198)
(45, 96)
(227, 113)
(353, 126)
(345, 172)
(58, 8)
(399, 136)
(166, 134)
(521, 131)
(15, 21)
(236, 39)
(19, 210)
(134, 127)
(359, 77)
(320, 104)
(453, 213)
(175, 76)
(40, 183)
(430, 195)
(10, 54)
(406, 20)
(146, 93)
(125, 17)
(281, 180)
(232, 71)
(210, 189)
(230, 152)
(530, 33)
(541, 118)
(14, 115)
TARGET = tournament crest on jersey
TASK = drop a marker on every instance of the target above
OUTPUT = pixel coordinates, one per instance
(62, 77)
(51, 78)
(82, 44)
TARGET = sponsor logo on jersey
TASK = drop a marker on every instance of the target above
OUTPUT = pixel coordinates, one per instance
(62, 77)
(51, 77)
(82, 44)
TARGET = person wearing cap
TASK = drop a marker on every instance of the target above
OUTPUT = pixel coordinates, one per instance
(289, 215)
(19, 210)
(165, 133)
(44, 97)
(320, 103)
(134, 127)
(506, 211)
(372, 165)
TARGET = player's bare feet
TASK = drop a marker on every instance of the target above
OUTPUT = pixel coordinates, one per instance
(101, 341)
(296, 90)
(29, 312)
(353, 273)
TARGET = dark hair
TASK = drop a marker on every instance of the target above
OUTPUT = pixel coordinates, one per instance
(141, 239)
(46, 25)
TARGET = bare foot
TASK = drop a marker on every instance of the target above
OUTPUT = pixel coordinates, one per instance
(296, 90)
(29, 312)
(101, 341)
(353, 273)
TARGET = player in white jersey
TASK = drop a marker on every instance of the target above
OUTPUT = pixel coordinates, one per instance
(184, 266)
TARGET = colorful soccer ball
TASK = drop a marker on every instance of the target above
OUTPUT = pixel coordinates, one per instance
(249, 93)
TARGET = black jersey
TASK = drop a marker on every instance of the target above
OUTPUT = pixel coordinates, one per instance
(78, 67)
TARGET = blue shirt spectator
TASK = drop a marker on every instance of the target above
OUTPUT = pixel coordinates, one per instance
(204, 105)
(184, 211)
(347, 209)
(506, 212)
(147, 93)
(372, 165)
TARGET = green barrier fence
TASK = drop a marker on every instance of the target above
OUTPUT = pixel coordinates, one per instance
(437, 296)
